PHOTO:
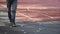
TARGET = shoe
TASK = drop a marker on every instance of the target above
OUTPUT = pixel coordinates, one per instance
(14, 25)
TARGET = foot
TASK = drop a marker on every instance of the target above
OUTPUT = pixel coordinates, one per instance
(14, 25)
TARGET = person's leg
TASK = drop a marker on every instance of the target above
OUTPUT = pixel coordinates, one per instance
(9, 9)
(14, 7)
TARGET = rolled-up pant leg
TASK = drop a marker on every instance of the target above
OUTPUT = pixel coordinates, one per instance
(13, 12)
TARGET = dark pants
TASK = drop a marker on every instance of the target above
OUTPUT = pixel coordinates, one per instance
(11, 6)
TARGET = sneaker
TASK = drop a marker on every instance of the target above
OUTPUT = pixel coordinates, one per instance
(14, 25)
